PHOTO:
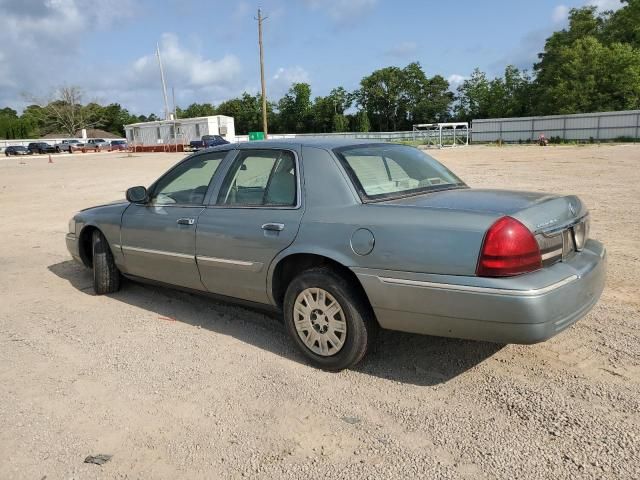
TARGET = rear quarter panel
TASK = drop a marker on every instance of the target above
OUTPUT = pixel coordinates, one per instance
(411, 239)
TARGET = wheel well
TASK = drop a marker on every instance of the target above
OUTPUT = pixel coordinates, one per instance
(84, 244)
(290, 266)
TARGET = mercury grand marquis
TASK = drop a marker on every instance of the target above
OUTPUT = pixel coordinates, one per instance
(345, 237)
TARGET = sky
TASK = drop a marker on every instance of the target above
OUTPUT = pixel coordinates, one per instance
(210, 47)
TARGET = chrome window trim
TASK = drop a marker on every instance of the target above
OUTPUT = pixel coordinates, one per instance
(472, 289)
(298, 204)
(231, 263)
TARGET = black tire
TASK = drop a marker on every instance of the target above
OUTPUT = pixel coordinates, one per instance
(106, 276)
(57, 149)
(362, 326)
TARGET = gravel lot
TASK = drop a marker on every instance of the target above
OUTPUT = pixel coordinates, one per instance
(179, 386)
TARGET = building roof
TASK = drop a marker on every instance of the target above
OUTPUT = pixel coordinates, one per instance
(91, 133)
(155, 123)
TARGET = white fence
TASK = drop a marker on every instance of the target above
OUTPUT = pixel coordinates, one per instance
(380, 136)
(585, 126)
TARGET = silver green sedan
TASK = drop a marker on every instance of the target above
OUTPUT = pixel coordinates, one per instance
(345, 237)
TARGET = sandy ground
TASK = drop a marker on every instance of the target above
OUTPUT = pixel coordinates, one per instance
(221, 393)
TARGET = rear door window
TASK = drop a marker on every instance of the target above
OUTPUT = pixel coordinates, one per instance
(261, 178)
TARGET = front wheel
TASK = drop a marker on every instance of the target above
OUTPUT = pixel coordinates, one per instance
(106, 276)
(328, 319)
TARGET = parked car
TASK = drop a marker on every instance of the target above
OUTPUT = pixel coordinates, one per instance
(66, 145)
(91, 145)
(344, 237)
(101, 143)
(16, 150)
(118, 145)
(207, 141)
(40, 147)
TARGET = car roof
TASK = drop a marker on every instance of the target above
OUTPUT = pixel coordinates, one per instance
(297, 142)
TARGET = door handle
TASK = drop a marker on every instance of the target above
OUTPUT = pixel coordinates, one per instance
(186, 221)
(273, 227)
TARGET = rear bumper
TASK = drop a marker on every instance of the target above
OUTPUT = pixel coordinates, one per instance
(525, 309)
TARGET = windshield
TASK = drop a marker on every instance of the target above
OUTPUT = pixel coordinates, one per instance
(384, 170)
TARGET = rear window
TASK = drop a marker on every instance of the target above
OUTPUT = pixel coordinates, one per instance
(385, 171)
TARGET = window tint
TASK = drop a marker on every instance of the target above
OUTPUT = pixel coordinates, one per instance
(187, 183)
(261, 178)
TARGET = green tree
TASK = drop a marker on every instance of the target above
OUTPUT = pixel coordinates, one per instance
(381, 95)
(362, 123)
(623, 25)
(473, 98)
(296, 110)
(197, 110)
(246, 111)
(396, 98)
(592, 65)
(591, 77)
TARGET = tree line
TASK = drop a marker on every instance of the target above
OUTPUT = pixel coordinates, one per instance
(591, 65)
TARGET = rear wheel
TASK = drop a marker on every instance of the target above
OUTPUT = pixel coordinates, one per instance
(328, 319)
(106, 276)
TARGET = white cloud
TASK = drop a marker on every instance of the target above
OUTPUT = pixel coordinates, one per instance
(604, 5)
(34, 33)
(402, 50)
(343, 12)
(455, 80)
(283, 79)
(185, 68)
(560, 14)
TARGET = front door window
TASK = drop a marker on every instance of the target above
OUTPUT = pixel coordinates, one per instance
(188, 182)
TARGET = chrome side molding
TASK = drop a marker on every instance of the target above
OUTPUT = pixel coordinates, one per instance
(472, 289)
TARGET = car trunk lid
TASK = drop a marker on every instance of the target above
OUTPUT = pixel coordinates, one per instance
(560, 223)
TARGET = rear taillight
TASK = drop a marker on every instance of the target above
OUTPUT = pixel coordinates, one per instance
(509, 248)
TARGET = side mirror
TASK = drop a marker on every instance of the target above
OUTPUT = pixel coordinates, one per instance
(137, 195)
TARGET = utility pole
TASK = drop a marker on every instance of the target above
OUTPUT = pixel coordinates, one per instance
(264, 91)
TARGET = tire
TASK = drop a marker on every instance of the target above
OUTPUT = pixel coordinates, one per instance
(356, 315)
(57, 149)
(106, 276)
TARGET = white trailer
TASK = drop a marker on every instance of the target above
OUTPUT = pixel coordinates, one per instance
(180, 131)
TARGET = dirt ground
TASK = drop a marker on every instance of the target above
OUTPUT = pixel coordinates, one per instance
(179, 386)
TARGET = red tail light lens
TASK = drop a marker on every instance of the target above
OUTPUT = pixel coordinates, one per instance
(509, 248)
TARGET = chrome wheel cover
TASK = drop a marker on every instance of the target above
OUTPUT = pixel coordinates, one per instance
(320, 321)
